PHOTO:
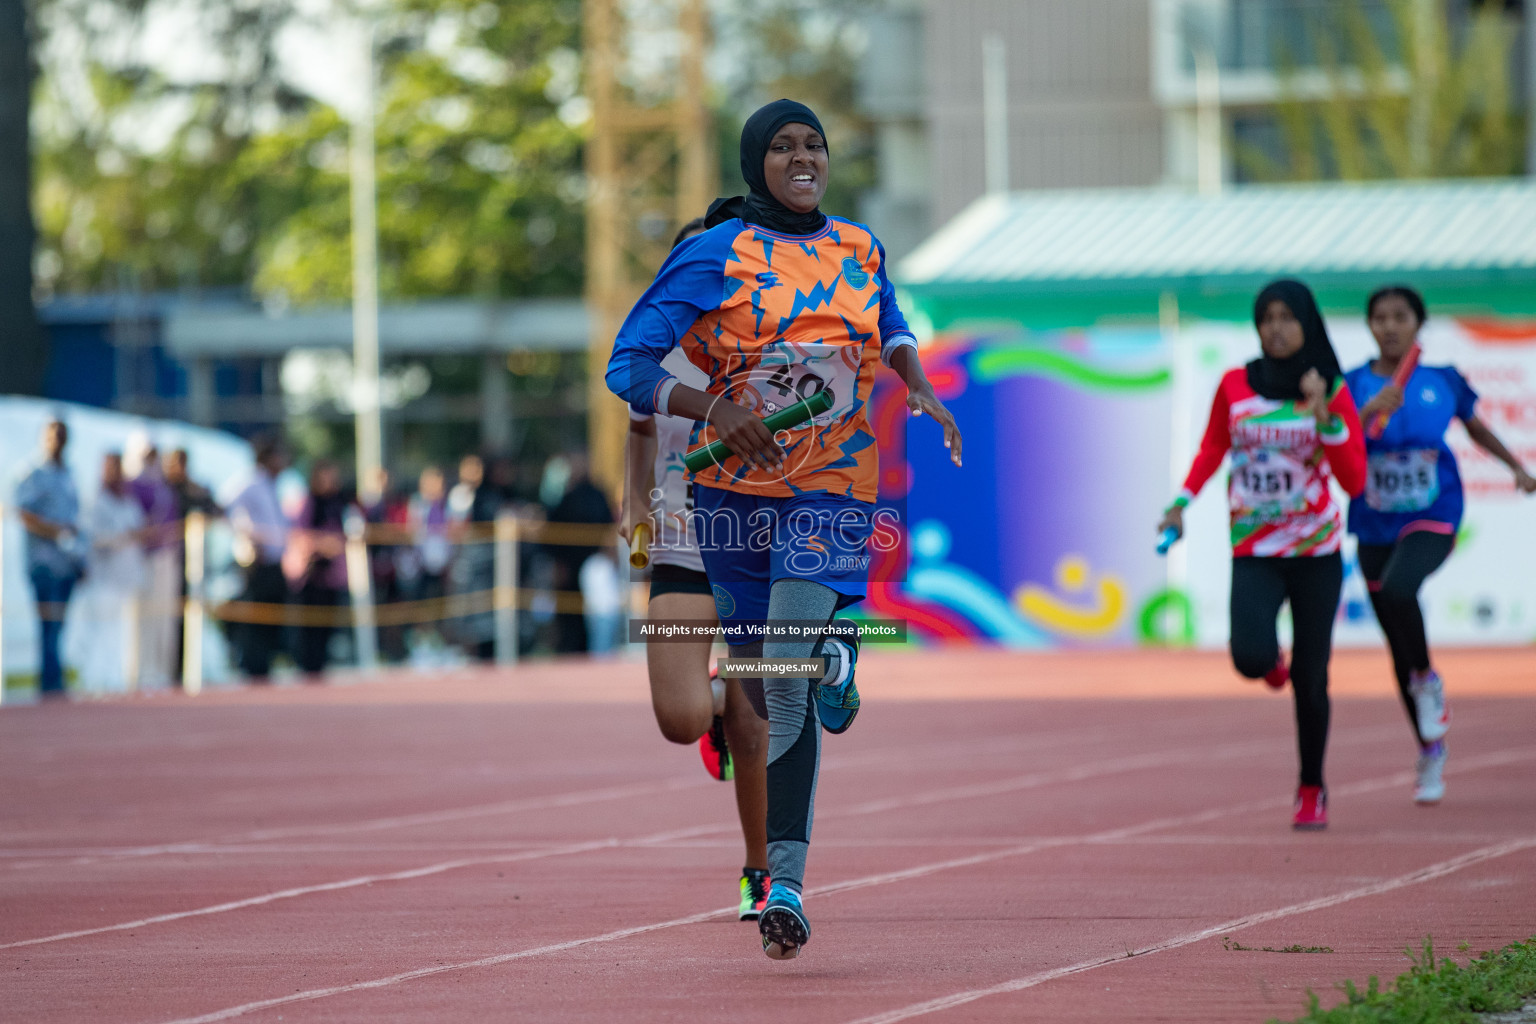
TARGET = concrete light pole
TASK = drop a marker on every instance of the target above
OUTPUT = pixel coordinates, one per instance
(994, 111)
(365, 280)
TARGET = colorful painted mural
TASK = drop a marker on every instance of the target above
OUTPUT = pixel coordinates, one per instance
(1040, 540)
(1045, 539)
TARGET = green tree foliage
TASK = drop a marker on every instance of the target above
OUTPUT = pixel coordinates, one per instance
(1411, 95)
(138, 175)
(478, 146)
(478, 142)
(235, 177)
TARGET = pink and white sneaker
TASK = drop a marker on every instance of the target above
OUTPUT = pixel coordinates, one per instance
(1311, 809)
(1434, 714)
(1429, 787)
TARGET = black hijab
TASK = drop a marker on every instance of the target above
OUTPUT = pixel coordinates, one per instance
(758, 206)
(1280, 379)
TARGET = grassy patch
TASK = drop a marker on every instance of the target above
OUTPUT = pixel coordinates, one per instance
(1443, 993)
(1228, 942)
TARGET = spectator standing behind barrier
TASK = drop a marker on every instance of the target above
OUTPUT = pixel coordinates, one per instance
(582, 503)
(114, 521)
(503, 475)
(602, 600)
(261, 535)
(160, 593)
(384, 508)
(190, 497)
(472, 506)
(50, 511)
(315, 563)
(423, 566)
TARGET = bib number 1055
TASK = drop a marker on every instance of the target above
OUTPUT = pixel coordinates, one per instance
(1403, 481)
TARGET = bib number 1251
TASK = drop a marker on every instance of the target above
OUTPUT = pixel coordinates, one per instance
(1269, 480)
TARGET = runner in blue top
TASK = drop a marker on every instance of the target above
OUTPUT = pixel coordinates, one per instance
(1406, 520)
(777, 302)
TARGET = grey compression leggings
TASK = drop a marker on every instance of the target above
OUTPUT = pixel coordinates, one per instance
(794, 732)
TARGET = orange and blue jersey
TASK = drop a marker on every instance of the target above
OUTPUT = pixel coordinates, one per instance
(772, 319)
(1411, 482)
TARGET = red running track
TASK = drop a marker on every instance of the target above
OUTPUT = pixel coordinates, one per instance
(482, 846)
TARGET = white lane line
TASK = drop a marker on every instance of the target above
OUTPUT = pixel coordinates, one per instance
(295, 848)
(307, 890)
(849, 885)
(1028, 781)
(568, 849)
(577, 798)
(1425, 874)
(39, 857)
(1073, 773)
(423, 972)
(1031, 780)
(563, 850)
(1268, 842)
(28, 858)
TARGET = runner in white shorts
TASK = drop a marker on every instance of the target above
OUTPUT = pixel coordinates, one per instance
(690, 704)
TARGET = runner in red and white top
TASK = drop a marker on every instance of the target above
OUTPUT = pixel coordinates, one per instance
(1289, 425)
(1282, 459)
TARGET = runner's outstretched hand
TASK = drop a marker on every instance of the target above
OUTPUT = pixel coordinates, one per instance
(921, 399)
(1173, 517)
(924, 400)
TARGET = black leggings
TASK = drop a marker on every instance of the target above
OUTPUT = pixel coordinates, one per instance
(1394, 573)
(1259, 586)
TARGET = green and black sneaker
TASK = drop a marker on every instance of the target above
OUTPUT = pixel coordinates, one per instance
(754, 893)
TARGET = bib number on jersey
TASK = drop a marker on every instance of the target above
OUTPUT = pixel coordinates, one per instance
(1403, 481)
(796, 372)
(1268, 482)
(785, 387)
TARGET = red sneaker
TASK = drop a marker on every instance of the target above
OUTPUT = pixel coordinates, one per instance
(714, 752)
(1311, 809)
(1277, 677)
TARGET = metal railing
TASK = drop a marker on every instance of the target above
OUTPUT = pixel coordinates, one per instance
(504, 600)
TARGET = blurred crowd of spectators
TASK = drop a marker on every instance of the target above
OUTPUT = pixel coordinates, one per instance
(125, 552)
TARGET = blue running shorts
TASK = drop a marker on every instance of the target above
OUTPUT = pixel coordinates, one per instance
(749, 541)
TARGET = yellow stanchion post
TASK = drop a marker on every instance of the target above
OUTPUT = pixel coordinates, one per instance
(133, 630)
(365, 628)
(505, 572)
(194, 616)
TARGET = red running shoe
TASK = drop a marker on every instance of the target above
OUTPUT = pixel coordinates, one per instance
(714, 752)
(1311, 809)
(1277, 677)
